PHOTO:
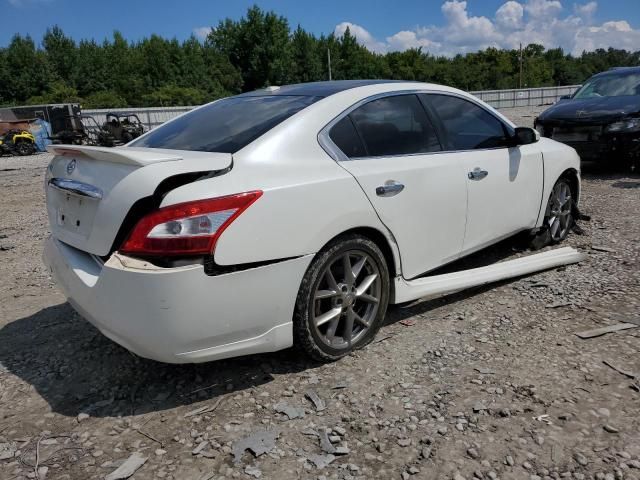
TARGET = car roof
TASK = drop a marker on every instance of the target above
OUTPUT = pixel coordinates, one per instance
(317, 89)
(618, 71)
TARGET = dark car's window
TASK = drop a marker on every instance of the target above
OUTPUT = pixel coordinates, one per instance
(225, 126)
(346, 138)
(467, 126)
(611, 85)
(395, 125)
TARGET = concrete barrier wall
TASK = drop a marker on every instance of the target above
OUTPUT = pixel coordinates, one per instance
(151, 117)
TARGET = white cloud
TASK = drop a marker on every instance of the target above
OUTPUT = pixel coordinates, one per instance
(510, 15)
(546, 22)
(587, 10)
(409, 39)
(543, 9)
(609, 34)
(202, 32)
(362, 36)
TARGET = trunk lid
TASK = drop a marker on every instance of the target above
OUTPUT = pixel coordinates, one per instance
(90, 190)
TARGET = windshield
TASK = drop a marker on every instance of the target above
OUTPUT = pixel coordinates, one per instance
(612, 85)
(225, 126)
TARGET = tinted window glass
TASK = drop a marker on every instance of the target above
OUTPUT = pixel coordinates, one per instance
(611, 85)
(395, 126)
(346, 138)
(467, 126)
(225, 126)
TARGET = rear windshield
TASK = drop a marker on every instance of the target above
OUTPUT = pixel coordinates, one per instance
(225, 126)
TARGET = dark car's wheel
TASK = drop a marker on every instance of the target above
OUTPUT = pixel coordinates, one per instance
(342, 300)
(559, 213)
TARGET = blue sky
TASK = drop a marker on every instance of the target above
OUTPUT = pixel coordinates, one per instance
(443, 27)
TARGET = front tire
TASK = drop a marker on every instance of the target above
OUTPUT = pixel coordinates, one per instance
(342, 299)
(558, 217)
(559, 213)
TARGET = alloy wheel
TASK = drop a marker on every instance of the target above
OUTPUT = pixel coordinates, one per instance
(559, 217)
(346, 299)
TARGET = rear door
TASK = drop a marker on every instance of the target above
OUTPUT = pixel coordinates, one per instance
(419, 193)
(504, 182)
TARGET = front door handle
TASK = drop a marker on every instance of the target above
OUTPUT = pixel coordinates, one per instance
(477, 174)
(389, 189)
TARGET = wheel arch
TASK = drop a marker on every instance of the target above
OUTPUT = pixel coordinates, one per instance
(572, 175)
(390, 253)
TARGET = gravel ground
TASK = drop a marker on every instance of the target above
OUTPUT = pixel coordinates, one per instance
(491, 383)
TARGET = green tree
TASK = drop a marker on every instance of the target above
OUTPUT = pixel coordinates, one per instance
(306, 58)
(257, 45)
(173, 95)
(61, 53)
(104, 99)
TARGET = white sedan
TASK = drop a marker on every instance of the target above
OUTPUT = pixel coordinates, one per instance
(294, 215)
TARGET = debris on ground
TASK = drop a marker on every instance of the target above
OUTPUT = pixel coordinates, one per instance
(258, 443)
(620, 370)
(321, 461)
(325, 443)
(7, 450)
(290, 411)
(597, 332)
(128, 468)
(318, 402)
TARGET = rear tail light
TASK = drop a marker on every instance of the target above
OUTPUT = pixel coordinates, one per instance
(190, 228)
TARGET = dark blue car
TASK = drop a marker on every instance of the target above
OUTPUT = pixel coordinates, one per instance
(601, 120)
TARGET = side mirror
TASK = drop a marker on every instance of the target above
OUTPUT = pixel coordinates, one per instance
(525, 136)
(566, 97)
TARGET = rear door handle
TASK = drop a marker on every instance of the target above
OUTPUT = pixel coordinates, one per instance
(389, 189)
(477, 174)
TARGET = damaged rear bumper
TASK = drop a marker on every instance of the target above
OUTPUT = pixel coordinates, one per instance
(180, 315)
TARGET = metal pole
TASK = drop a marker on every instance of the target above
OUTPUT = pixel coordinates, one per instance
(329, 61)
(520, 65)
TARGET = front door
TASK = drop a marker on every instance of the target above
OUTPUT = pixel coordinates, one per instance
(504, 182)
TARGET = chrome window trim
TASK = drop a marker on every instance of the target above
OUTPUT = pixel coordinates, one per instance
(338, 155)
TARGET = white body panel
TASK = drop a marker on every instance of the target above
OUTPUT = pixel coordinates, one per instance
(508, 199)
(428, 217)
(183, 314)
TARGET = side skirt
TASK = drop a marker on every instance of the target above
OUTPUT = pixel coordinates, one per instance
(439, 285)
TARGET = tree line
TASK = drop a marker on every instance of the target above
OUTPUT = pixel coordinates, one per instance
(256, 51)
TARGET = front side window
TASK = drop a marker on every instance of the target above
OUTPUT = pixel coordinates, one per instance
(467, 126)
(392, 126)
(225, 126)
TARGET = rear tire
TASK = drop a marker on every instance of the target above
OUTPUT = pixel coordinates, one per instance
(336, 311)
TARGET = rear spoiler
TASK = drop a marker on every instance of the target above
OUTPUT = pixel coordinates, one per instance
(127, 156)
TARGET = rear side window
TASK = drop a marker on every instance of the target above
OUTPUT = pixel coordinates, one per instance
(225, 126)
(467, 126)
(395, 125)
(346, 138)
